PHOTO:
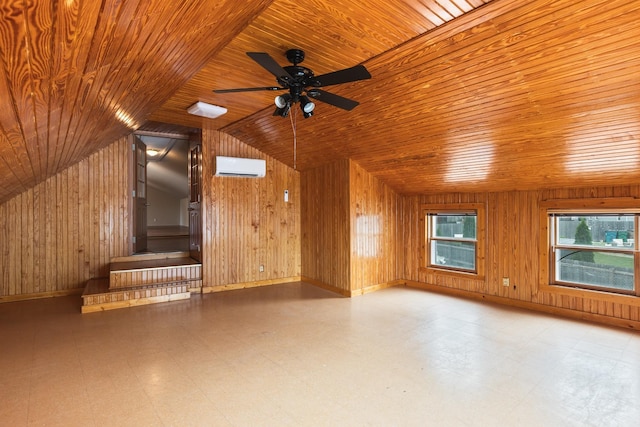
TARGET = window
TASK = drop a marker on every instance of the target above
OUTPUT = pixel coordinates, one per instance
(593, 250)
(454, 238)
(588, 249)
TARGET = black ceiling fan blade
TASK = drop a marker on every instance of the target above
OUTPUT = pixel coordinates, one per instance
(333, 99)
(270, 64)
(353, 74)
(248, 89)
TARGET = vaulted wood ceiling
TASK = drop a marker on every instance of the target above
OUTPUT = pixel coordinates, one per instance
(465, 96)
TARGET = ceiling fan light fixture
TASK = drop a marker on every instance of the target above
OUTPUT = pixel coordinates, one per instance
(306, 105)
(282, 101)
(209, 111)
(282, 111)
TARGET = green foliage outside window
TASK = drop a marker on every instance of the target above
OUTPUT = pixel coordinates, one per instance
(583, 237)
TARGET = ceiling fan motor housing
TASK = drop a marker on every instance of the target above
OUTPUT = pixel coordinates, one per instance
(302, 77)
(295, 56)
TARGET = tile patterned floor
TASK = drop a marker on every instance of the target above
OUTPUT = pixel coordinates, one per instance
(296, 355)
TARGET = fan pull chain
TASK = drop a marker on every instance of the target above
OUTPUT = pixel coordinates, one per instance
(295, 139)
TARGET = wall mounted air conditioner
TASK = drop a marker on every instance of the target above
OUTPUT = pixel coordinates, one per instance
(240, 167)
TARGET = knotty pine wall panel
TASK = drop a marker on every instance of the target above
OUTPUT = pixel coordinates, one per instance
(326, 227)
(513, 240)
(64, 231)
(351, 228)
(246, 222)
(376, 257)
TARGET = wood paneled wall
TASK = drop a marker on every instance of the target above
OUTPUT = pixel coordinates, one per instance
(375, 210)
(513, 245)
(64, 231)
(325, 225)
(246, 222)
(341, 227)
(350, 223)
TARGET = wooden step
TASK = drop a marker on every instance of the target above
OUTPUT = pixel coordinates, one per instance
(132, 272)
(150, 256)
(98, 296)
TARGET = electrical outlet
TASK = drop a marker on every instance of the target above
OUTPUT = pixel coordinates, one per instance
(261, 268)
(505, 281)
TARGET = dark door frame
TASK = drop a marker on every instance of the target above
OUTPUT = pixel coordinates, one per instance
(139, 194)
(195, 196)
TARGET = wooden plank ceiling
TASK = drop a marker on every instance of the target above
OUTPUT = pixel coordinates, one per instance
(75, 75)
(465, 96)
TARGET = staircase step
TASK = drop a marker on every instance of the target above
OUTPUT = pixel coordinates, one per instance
(147, 272)
(148, 264)
(98, 297)
(150, 256)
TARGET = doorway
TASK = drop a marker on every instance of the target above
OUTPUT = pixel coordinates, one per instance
(167, 192)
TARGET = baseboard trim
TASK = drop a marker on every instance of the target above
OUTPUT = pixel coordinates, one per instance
(557, 311)
(245, 285)
(354, 292)
(326, 287)
(378, 287)
(39, 295)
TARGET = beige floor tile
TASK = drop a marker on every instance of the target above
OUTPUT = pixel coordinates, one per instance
(296, 355)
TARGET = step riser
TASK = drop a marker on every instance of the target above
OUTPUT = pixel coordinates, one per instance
(153, 276)
(133, 298)
(135, 281)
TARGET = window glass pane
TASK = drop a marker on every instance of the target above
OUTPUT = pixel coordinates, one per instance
(454, 254)
(141, 190)
(454, 226)
(594, 231)
(612, 270)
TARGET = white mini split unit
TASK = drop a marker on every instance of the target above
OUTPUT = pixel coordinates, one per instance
(240, 167)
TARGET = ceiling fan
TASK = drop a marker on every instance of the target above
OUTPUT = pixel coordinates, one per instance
(302, 84)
